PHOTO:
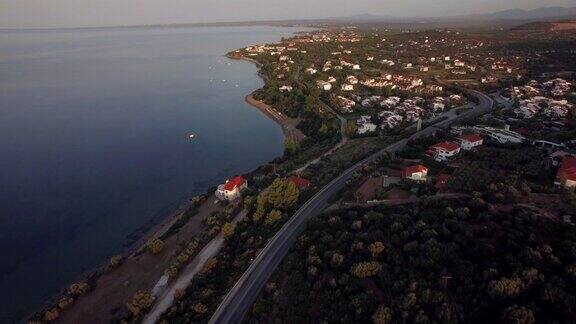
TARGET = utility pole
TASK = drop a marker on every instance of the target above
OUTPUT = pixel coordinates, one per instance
(445, 281)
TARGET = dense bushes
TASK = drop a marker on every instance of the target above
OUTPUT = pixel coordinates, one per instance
(439, 262)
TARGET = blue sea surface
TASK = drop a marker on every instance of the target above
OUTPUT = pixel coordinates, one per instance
(95, 147)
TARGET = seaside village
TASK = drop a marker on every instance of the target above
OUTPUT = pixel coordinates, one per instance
(350, 94)
(379, 93)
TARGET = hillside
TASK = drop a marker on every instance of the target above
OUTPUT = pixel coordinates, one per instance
(443, 263)
(547, 26)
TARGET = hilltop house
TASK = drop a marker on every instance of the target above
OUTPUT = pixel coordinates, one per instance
(231, 190)
(415, 172)
(444, 150)
(470, 141)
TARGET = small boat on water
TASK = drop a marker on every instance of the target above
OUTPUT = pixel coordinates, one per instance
(191, 136)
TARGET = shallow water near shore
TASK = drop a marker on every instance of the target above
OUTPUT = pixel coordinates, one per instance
(95, 146)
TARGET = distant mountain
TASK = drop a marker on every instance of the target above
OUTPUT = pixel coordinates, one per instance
(536, 14)
(505, 15)
(362, 17)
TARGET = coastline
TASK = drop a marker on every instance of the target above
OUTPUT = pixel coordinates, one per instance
(163, 224)
(287, 124)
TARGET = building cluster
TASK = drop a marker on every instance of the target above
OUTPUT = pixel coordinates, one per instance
(394, 111)
(544, 99)
(446, 150)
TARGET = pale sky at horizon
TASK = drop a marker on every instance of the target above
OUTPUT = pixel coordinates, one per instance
(85, 13)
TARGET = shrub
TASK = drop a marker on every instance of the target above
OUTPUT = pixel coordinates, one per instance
(51, 315)
(78, 289)
(155, 246)
(383, 315)
(116, 261)
(141, 302)
(366, 269)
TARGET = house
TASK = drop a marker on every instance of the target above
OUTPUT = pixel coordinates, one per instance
(355, 67)
(344, 104)
(444, 150)
(502, 136)
(232, 189)
(301, 183)
(351, 79)
(470, 141)
(311, 71)
(347, 87)
(326, 86)
(365, 125)
(285, 88)
(415, 172)
(566, 176)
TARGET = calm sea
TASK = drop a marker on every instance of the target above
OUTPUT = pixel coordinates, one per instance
(94, 141)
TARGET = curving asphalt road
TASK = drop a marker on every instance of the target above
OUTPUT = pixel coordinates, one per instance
(241, 297)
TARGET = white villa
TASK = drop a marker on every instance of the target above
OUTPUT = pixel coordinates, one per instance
(231, 190)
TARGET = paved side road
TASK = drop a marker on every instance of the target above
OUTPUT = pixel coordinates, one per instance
(240, 298)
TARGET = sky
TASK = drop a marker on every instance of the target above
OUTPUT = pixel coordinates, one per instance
(86, 13)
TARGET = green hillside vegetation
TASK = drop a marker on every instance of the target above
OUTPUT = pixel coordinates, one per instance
(442, 262)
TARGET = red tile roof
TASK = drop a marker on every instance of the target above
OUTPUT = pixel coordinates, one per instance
(446, 146)
(300, 182)
(472, 138)
(567, 169)
(410, 170)
(234, 183)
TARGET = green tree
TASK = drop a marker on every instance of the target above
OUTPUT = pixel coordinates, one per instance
(249, 202)
(291, 195)
(518, 315)
(276, 193)
(336, 260)
(323, 131)
(260, 208)
(273, 217)
(141, 301)
(78, 289)
(290, 146)
(383, 315)
(366, 269)
(505, 288)
(51, 315)
(227, 230)
(116, 261)
(376, 249)
(155, 246)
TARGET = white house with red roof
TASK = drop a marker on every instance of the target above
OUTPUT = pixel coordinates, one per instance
(470, 141)
(566, 176)
(232, 189)
(415, 172)
(443, 151)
